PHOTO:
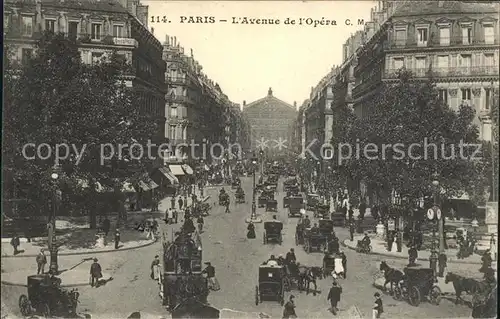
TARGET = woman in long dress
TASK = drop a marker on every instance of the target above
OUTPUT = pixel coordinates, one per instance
(251, 231)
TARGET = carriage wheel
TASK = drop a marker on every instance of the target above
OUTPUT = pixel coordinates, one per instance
(398, 293)
(414, 296)
(256, 295)
(24, 305)
(45, 310)
(435, 295)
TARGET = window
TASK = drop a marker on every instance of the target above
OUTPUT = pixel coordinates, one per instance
(118, 31)
(420, 63)
(465, 60)
(173, 111)
(26, 55)
(467, 34)
(489, 34)
(489, 59)
(422, 36)
(50, 25)
(466, 96)
(96, 31)
(6, 22)
(72, 29)
(184, 133)
(399, 63)
(444, 36)
(487, 99)
(400, 37)
(443, 62)
(27, 26)
(96, 57)
(173, 129)
(443, 96)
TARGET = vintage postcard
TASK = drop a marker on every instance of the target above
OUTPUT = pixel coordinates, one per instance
(250, 159)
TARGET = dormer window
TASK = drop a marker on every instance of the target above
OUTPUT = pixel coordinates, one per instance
(444, 35)
(489, 33)
(96, 30)
(400, 34)
(422, 35)
(50, 25)
(466, 33)
(27, 26)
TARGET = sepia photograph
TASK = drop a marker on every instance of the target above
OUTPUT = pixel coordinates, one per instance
(250, 159)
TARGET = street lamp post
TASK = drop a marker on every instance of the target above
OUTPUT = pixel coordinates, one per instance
(435, 215)
(253, 217)
(53, 268)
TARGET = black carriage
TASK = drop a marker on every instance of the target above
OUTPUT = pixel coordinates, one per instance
(271, 284)
(272, 232)
(326, 227)
(223, 198)
(46, 297)
(322, 211)
(240, 198)
(418, 283)
(338, 218)
(295, 204)
(314, 241)
(312, 201)
(328, 264)
(272, 205)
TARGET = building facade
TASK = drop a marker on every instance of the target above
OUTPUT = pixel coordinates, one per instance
(198, 112)
(456, 42)
(270, 120)
(99, 27)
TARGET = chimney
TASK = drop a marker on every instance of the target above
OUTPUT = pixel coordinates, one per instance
(295, 104)
(175, 42)
(244, 103)
(270, 92)
(152, 31)
(167, 40)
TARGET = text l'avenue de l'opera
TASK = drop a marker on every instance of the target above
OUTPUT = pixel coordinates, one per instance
(315, 22)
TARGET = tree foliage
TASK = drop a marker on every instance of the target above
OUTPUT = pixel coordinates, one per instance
(56, 99)
(410, 113)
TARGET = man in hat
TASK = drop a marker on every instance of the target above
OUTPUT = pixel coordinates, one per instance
(155, 268)
(210, 272)
(117, 238)
(95, 273)
(41, 261)
(289, 308)
(334, 296)
(290, 256)
(378, 307)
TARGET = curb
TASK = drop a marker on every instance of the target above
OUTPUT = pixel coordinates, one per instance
(453, 261)
(89, 252)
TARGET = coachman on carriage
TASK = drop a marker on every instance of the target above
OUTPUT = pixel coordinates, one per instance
(272, 232)
(271, 284)
(240, 196)
(418, 282)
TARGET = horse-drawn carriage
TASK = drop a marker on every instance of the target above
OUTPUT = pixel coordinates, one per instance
(223, 198)
(236, 183)
(295, 204)
(338, 218)
(326, 228)
(314, 240)
(46, 297)
(417, 283)
(272, 232)
(271, 284)
(312, 201)
(271, 205)
(328, 264)
(240, 197)
(322, 211)
(266, 195)
(182, 277)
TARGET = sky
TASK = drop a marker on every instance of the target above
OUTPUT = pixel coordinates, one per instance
(247, 59)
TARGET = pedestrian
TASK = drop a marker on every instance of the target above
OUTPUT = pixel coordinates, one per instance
(180, 202)
(334, 296)
(374, 212)
(412, 256)
(15, 242)
(344, 263)
(227, 202)
(149, 232)
(200, 223)
(41, 261)
(213, 284)
(362, 210)
(289, 308)
(117, 238)
(95, 273)
(350, 213)
(251, 231)
(172, 202)
(290, 256)
(155, 268)
(486, 261)
(106, 225)
(442, 260)
(378, 307)
(352, 228)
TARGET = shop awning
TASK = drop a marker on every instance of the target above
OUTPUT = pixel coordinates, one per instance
(128, 188)
(187, 169)
(168, 175)
(176, 170)
(147, 185)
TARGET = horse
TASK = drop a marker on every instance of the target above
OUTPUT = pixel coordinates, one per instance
(391, 275)
(308, 275)
(462, 284)
(485, 305)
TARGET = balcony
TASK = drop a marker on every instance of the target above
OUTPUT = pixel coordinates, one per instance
(439, 42)
(447, 72)
(176, 80)
(107, 40)
(181, 99)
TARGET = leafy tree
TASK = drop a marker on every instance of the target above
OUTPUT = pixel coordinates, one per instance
(411, 112)
(57, 99)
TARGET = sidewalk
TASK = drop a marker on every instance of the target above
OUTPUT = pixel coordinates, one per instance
(379, 248)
